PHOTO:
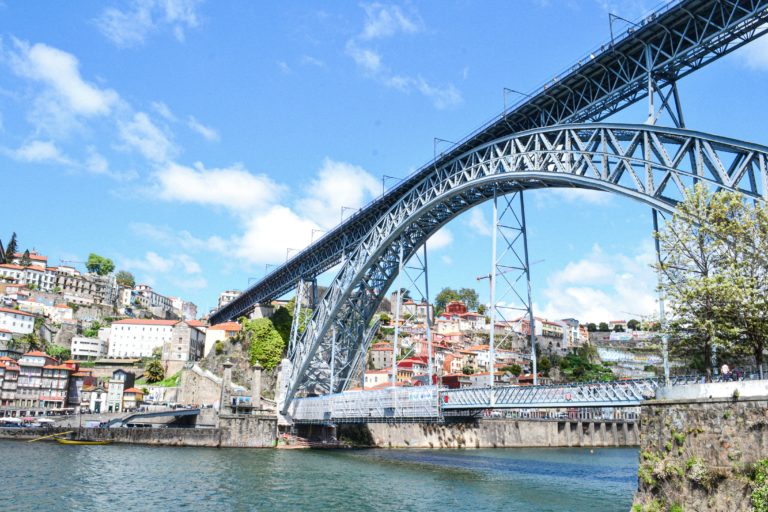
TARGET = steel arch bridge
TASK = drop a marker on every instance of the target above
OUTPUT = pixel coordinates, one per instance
(651, 164)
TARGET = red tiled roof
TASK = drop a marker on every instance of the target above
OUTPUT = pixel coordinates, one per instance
(6, 358)
(32, 256)
(37, 353)
(57, 367)
(12, 266)
(3, 330)
(14, 311)
(133, 390)
(142, 321)
(196, 323)
(226, 326)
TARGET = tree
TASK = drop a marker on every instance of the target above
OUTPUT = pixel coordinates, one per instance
(157, 353)
(93, 330)
(698, 242)
(154, 371)
(470, 298)
(99, 264)
(603, 327)
(618, 328)
(442, 299)
(385, 319)
(25, 259)
(591, 327)
(481, 309)
(543, 365)
(633, 325)
(282, 320)
(58, 351)
(125, 278)
(267, 344)
(514, 369)
(11, 248)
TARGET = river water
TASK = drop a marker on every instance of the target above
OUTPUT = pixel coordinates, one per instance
(52, 477)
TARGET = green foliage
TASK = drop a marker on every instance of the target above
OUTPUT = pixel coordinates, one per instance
(93, 330)
(514, 369)
(467, 370)
(99, 264)
(25, 259)
(218, 347)
(467, 295)
(676, 507)
(58, 351)
(591, 327)
(170, 382)
(267, 344)
(578, 366)
(603, 327)
(385, 319)
(157, 353)
(125, 278)
(543, 365)
(32, 286)
(679, 437)
(11, 248)
(633, 325)
(154, 371)
(282, 320)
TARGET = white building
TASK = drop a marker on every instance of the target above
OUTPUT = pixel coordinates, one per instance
(137, 337)
(84, 348)
(17, 322)
(184, 309)
(158, 304)
(35, 259)
(227, 297)
(220, 332)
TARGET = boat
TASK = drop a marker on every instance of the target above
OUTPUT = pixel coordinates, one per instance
(82, 441)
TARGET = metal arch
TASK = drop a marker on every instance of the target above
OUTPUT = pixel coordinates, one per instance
(670, 43)
(647, 163)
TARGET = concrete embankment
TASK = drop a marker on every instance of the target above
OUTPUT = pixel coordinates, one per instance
(232, 432)
(704, 449)
(495, 433)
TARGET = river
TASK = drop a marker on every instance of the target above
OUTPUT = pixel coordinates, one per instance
(51, 477)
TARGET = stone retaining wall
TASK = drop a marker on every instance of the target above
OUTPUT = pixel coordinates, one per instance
(699, 453)
(501, 433)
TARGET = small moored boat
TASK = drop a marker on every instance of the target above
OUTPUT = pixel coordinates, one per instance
(78, 441)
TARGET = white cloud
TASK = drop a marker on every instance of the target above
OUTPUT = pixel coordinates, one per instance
(233, 188)
(207, 132)
(284, 67)
(181, 270)
(337, 185)
(144, 136)
(440, 240)
(38, 151)
(478, 222)
(602, 286)
(181, 239)
(60, 72)
(755, 54)
(581, 195)
(164, 111)
(308, 60)
(270, 234)
(131, 26)
(387, 20)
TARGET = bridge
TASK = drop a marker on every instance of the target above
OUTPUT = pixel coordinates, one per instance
(551, 138)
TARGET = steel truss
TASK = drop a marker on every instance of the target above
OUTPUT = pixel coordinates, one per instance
(510, 277)
(648, 163)
(671, 43)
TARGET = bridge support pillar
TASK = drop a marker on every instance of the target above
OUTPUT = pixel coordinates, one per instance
(225, 384)
(256, 386)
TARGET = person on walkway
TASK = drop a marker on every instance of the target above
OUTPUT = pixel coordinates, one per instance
(725, 372)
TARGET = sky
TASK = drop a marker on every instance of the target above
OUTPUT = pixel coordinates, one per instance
(195, 143)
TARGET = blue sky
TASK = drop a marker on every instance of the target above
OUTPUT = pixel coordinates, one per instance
(194, 142)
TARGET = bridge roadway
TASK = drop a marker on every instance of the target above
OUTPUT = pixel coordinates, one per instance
(431, 403)
(669, 44)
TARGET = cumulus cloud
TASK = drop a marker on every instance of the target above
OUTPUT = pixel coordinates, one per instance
(183, 270)
(59, 72)
(182, 239)
(477, 221)
(233, 188)
(337, 185)
(269, 235)
(38, 151)
(602, 286)
(206, 132)
(141, 134)
(131, 26)
(440, 240)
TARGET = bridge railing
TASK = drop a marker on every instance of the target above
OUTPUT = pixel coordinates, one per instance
(391, 404)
